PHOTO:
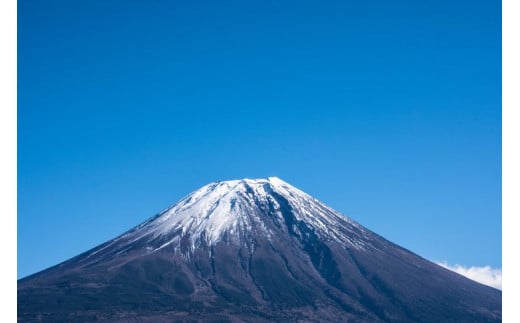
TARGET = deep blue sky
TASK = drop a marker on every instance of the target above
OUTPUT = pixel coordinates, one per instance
(387, 111)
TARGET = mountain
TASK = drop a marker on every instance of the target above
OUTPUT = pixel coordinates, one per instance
(252, 251)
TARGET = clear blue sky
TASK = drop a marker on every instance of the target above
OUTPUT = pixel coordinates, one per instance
(387, 111)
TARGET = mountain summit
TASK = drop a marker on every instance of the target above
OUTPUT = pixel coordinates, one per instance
(252, 250)
(237, 212)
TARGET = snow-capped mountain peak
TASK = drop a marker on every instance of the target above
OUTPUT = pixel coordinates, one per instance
(257, 250)
(236, 209)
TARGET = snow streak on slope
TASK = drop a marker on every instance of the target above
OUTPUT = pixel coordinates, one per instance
(231, 210)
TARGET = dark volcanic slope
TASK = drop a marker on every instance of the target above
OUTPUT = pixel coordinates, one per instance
(254, 251)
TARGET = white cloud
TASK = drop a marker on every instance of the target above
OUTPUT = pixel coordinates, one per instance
(484, 275)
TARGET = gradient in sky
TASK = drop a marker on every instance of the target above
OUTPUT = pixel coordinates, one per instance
(387, 111)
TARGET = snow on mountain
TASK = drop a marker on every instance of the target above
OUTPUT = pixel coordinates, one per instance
(233, 209)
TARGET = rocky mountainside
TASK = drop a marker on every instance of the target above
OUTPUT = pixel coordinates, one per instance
(252, 251)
